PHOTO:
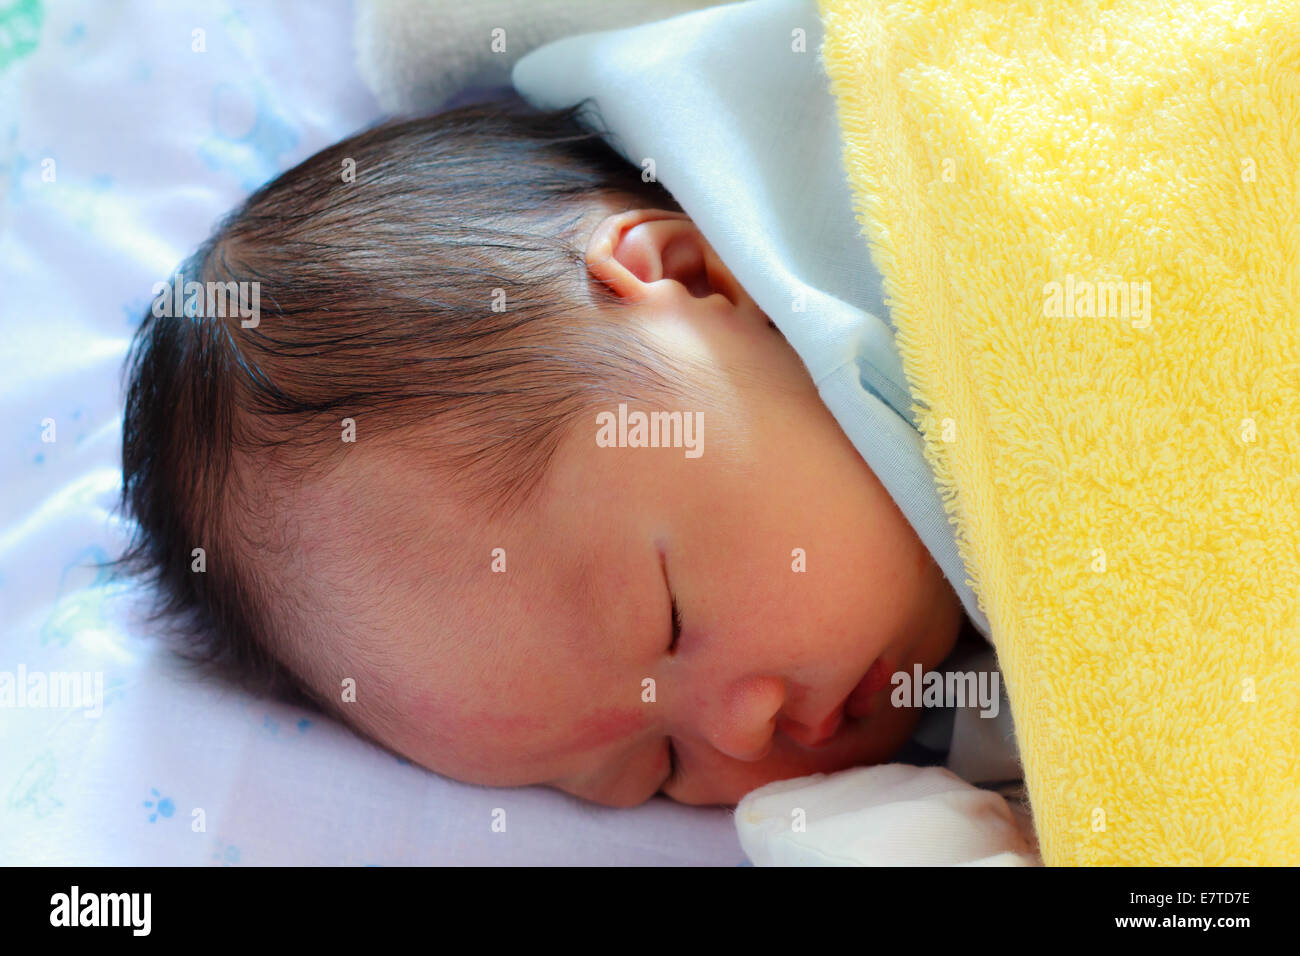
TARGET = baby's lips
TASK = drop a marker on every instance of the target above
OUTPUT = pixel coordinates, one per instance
(815, 738)
(860, 702)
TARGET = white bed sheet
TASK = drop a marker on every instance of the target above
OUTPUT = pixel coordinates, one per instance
(152, 141)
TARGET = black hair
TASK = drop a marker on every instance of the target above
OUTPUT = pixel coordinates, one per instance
(381, 263)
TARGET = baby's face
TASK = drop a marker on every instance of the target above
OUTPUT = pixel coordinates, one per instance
(791, 568)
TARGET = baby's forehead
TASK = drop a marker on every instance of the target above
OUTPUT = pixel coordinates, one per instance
(371, 483)
(410, 549)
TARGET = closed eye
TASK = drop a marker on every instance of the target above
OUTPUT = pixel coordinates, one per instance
(674, 768)
(677, 624)
(675, 616)
(674, 765)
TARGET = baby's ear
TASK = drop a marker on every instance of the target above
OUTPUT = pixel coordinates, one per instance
(641, 253)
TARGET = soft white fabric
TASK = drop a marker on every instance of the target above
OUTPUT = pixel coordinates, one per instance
(737, 117)
(890, 815)
(153, 141)
(415, 55)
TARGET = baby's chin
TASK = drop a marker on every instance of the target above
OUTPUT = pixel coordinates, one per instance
(935, 628)
(878, 735)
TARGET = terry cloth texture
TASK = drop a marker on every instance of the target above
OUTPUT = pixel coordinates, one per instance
(1085, 215)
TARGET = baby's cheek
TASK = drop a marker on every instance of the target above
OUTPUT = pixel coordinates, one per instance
(923, 562)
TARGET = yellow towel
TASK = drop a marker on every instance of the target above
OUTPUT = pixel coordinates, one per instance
(1087, 215)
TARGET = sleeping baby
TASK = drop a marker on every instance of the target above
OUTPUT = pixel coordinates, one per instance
(510, 474)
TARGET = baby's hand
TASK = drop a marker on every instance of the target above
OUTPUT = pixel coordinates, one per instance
(887, 815)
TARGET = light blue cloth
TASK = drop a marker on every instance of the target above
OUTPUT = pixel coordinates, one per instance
(743, 132)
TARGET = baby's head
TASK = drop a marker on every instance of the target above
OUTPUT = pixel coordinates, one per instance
(422, 508)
